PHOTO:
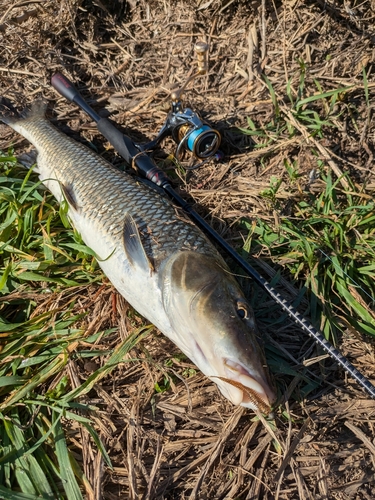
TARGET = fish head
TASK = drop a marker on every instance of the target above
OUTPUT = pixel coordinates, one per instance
(215, 326)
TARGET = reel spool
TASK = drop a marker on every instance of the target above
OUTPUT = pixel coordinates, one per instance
(202, 141)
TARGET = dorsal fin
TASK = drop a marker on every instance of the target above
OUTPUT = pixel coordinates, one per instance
(133, 245)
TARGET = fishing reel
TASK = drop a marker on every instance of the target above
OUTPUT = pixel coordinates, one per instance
(185, 126)
(191, 134)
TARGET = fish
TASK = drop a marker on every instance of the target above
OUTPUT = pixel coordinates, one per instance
(157, 259)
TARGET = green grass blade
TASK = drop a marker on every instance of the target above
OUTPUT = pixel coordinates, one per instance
(66, 471)
(273, 96)
(99, 444)
(324, 95)
(113, 361)
(29, 474)
(6, 494)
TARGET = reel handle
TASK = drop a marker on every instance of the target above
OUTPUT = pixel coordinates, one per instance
(201, 50)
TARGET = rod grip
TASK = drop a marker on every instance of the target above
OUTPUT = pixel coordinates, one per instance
(121, 143)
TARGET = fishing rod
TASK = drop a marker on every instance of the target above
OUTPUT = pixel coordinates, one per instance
(190, 133)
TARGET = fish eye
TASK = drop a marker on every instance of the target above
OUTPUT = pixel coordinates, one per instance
(242, 310)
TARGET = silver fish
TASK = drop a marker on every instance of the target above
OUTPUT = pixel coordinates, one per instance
(157, 259)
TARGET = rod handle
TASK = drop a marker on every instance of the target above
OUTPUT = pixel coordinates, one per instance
(65, 87)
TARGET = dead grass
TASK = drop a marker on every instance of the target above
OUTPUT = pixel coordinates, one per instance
(188, 442)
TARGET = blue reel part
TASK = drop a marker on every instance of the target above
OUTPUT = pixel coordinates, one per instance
(203, 142)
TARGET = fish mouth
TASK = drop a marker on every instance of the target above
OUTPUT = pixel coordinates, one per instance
(237, 383)
(245, 389)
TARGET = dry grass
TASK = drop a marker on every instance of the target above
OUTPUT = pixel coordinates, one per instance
(188, 442)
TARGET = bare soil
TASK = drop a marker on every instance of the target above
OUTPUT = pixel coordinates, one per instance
(188, 442)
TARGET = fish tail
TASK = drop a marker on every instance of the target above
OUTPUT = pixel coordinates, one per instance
(37, 111)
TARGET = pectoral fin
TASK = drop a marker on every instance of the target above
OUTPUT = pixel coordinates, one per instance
(69, 196)
(133, 246)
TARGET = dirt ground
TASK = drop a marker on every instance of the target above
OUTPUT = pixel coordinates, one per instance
(188, 442)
